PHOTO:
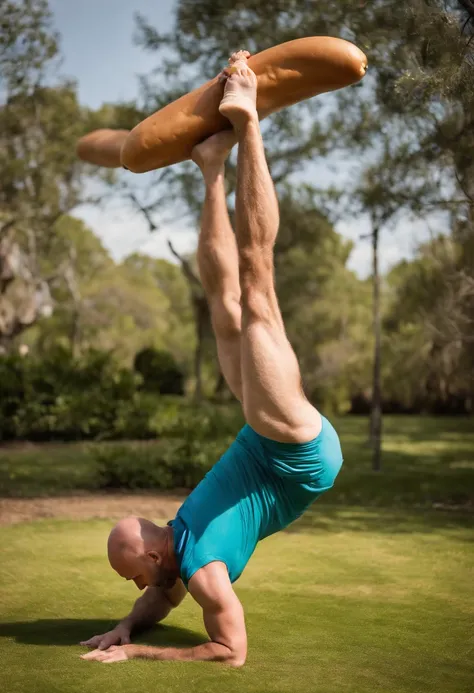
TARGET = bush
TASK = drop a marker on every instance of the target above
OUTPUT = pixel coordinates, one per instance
(168, 464)
(12, 394)
(64, 398)
(208, 421)
(191, 441)
(159, 371)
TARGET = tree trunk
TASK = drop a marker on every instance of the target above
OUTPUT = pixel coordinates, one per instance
(201, 312)
(197, 395)
(201, 318)
(75, 333)
(221, 386)
(376, 408)
(73, 286)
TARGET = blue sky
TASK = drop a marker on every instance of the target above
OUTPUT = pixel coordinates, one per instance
(98, 49)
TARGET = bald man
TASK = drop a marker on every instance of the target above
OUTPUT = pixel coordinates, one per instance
(281, 461)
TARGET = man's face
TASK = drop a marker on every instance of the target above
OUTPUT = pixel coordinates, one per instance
(145, 571)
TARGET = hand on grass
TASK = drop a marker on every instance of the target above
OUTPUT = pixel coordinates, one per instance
(118, 636)
(112, 655)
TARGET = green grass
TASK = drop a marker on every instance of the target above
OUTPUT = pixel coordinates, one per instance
(427, 462)
(354, 600)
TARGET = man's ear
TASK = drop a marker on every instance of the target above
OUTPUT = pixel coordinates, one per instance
(155, 557)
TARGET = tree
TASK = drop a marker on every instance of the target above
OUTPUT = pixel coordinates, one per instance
(39, 125)
(116, 307)
(81, 259)
(429, 325)
(163, 287)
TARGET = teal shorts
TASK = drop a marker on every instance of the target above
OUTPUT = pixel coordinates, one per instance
(316, 462)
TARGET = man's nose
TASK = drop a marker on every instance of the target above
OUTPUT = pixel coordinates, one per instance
(139, 583)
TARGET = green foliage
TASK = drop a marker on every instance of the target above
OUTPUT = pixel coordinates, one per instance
(67, 398)
(156, 466)
(159, 371)
(116, 307)
(207, 422)
(191, 441)
(27, 42)
(428, 325)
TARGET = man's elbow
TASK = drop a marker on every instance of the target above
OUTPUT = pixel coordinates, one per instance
(237, 658)
(237, 663)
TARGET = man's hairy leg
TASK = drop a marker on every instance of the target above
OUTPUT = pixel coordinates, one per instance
(274, 403)
(218, 258)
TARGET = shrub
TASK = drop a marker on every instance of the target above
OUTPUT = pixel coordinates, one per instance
(159, 371)
(64, 398)
(12, 394)
(60, 397)
(208, 421)
(167, 464)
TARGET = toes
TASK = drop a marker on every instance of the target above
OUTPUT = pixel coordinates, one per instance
(239, 55)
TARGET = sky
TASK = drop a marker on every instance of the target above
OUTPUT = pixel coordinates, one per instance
(99, 53)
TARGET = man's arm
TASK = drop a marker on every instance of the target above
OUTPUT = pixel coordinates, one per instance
(153, 606)
(223, 617)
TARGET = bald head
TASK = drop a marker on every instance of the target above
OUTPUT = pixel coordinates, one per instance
(135, 549)
(130, 536)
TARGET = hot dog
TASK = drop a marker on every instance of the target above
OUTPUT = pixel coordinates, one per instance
(286, 74)
(102, 147)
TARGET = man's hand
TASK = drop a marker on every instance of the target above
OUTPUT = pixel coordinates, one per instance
(120, 635)
(112, 655)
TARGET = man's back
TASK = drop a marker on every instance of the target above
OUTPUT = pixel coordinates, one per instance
(258, 487)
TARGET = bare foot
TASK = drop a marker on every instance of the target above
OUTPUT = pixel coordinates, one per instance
(212, 153)
(240, 93)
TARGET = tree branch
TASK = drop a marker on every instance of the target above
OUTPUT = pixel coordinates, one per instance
(144, 211)
(461, 185)
(187, 269)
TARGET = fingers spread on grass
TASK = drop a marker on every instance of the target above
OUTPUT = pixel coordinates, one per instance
(110, 656)
(118, 654)
(94, 655)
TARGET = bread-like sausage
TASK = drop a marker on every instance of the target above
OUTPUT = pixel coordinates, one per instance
(102, 147)
(286, 74)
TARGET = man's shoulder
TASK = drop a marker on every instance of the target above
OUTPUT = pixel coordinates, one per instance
(210, 583)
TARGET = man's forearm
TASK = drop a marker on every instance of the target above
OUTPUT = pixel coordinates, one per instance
(207, 652)
(152, 607)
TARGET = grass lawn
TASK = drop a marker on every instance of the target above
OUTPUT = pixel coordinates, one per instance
(427, 462)
(351, 599)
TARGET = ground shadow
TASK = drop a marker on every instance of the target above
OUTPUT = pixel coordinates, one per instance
(70, 631)
(381, 520)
